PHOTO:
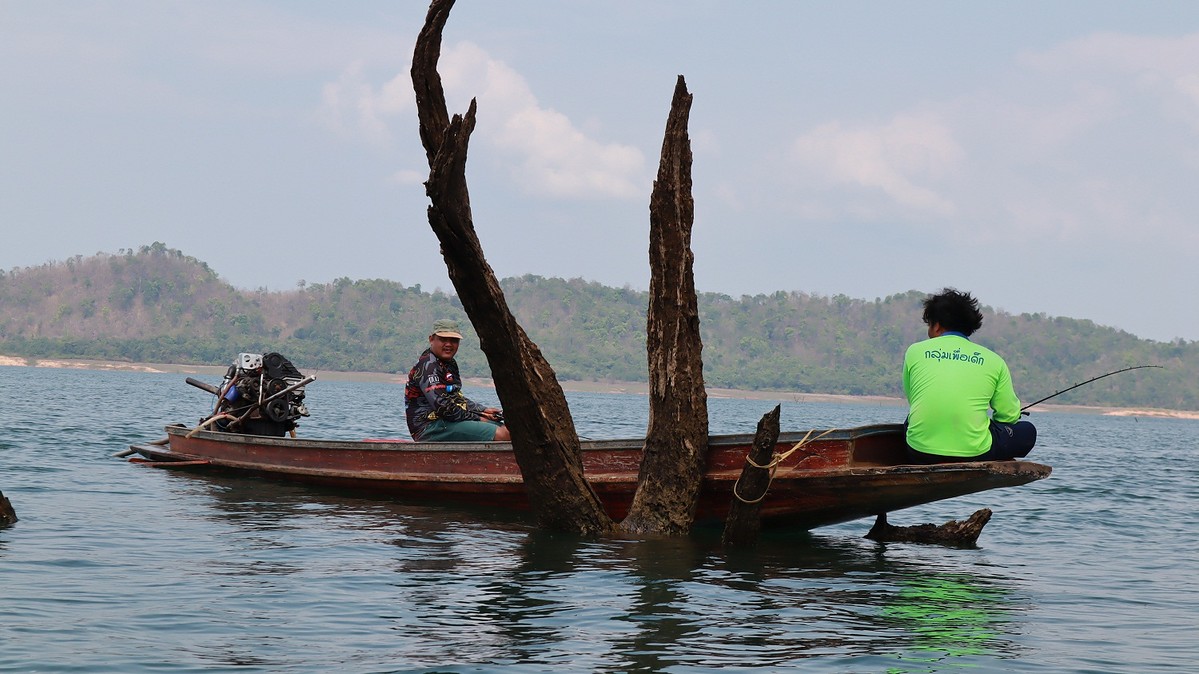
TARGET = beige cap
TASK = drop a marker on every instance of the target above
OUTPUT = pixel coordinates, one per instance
(446, 328)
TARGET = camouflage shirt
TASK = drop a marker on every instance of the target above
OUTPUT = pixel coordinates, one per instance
(434, 391)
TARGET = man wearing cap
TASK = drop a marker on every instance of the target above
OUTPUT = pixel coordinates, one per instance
(435, 407)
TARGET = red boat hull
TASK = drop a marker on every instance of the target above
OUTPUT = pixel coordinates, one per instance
(844, 475)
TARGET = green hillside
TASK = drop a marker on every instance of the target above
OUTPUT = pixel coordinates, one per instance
(158, 305)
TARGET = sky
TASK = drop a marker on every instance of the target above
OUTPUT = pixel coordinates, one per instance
(1041, 155)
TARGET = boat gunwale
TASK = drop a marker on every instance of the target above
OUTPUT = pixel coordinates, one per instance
(397, 444)
(788, 474)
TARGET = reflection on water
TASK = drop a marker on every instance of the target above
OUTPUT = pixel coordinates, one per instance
(458, 587)
(122, 568)
(951, 615)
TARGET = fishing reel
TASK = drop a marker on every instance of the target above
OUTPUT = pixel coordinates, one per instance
(261, 394)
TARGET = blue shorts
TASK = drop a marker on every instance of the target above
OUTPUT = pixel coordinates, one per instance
(459, 431)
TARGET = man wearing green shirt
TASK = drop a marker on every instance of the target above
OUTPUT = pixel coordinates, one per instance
(952, 383)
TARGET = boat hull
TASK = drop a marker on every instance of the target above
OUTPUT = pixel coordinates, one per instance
(841, 476)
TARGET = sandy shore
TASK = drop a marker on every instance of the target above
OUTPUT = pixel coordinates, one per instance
(636, 388)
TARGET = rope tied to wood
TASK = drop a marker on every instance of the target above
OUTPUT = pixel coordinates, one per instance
(772, 466)
(210, 421)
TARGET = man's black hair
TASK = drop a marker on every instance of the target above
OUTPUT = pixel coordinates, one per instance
(954, 310)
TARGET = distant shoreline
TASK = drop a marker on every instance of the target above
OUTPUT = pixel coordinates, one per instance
(635, 388)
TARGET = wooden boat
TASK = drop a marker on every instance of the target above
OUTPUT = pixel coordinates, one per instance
(832, 477)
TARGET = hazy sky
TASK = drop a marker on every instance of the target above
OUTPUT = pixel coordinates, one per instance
(1044, 155)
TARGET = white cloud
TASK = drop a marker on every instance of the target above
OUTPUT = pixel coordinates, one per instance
(1076, 142)
(1118, 52)
(705, 141)
(556, 158)
(408, 177)
(900, 158)
(351, 107)
(1163, 69)
(1188, 86)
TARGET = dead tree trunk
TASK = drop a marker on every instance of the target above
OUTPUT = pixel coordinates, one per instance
(952, 532)
(7, 514)
(742, 525)
(676, 443)
(543, 434)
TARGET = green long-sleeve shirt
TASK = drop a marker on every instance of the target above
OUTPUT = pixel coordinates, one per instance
(951, 383)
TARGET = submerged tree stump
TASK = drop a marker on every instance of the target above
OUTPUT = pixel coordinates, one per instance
(952, 532)
(544, 440)
(743, 523)
(7, 514)
(676, 441)
(543, 434)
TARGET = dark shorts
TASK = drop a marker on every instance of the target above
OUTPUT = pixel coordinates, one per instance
(1011, 441)
(1008, 442)
(459, 431)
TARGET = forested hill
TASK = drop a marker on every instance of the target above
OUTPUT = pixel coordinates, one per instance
(158, 305)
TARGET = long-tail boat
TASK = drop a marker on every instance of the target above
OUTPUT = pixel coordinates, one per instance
(820, 478)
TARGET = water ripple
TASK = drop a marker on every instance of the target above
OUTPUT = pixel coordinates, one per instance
(120, 568)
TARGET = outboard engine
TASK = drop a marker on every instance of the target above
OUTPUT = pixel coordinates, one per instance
(261, 394)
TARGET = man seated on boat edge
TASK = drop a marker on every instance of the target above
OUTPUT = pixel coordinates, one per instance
(434, 405)
(951, 383)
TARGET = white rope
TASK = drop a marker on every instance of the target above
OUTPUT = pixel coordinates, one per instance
(773, 464)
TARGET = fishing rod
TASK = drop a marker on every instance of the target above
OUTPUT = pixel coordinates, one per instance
(1134, 367)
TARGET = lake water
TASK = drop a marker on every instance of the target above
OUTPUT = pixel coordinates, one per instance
(115, 567)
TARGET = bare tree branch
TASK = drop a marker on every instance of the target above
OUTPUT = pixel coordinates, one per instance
(543, 434)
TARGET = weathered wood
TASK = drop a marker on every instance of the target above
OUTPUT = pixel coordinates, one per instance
(952, 532)
(7, 514)
(676, 441)
(743, 523)
(431, 107)
(848, 474)
(543, 434)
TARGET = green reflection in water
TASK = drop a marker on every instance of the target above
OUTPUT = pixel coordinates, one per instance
(954, 618)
